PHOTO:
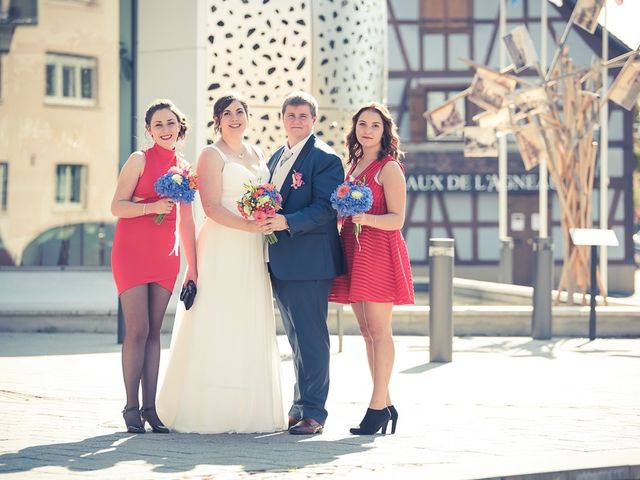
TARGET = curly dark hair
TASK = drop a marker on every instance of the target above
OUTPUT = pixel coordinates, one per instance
(222, 103)
(161, 104)
(390, 143)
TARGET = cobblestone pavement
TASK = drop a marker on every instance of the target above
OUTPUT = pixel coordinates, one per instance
(503, 407)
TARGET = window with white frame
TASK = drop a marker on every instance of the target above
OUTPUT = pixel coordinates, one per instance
(70, 184)
(4, 179)
(70, 80)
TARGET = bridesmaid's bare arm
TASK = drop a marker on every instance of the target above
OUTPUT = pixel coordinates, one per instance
(395, 193)
(123, 204)
(188, 241)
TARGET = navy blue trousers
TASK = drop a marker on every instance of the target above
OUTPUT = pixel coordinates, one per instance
(303, 306)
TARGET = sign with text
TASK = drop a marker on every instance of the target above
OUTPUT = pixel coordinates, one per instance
(470, 182)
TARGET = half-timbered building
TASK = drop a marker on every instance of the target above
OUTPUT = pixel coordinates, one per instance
(453, 196)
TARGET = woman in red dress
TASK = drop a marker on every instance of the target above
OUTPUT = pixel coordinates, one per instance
(378, 271)
(143, 269)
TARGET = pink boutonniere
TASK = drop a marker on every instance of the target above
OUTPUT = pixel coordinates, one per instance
(297, 181)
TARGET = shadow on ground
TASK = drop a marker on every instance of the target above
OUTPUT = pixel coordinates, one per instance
(12, 344)
(516, 347)
(180, 453)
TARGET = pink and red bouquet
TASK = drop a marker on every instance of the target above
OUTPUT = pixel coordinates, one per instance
(260, 202)
(179, 184)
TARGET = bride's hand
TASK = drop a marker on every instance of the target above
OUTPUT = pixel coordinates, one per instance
(191, 274)
(256, 226)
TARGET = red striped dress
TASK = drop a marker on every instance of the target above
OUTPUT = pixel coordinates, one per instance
(378, 269)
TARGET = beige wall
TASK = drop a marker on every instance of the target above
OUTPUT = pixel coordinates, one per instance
(171, 63)
(34, 137)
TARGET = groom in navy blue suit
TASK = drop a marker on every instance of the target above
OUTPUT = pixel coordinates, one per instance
(307, 255)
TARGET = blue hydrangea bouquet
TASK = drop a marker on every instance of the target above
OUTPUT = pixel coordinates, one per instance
(352, 198)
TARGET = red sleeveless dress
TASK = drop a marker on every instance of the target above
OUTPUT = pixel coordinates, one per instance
(140, 252)
(377, 270)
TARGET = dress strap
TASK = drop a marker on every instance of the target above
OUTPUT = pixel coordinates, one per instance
(257, 151)
(224, 157)
(372, 167)
(383, 162)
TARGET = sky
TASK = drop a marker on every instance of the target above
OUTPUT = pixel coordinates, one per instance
(621, 15)
(622, 21)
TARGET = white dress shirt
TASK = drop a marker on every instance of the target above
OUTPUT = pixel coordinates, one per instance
(289, 155)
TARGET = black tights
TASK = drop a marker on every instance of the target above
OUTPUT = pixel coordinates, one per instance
(143, 307)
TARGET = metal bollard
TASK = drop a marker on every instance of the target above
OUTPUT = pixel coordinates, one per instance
(593, 287)
(543, 279)
(505, 270)
(440, 299)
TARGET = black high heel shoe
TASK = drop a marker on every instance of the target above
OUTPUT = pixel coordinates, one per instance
(373, 421)
(394, 419)
(134, 423)
(156, 427)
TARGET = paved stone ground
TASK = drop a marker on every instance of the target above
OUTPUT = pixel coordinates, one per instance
(504, 408)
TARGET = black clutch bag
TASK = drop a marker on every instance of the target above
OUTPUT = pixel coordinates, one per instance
(188, 294)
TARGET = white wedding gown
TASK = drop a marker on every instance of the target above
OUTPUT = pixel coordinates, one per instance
(223, 370)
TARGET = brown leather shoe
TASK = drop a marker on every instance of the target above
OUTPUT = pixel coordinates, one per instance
(293, 421)
(306, 426)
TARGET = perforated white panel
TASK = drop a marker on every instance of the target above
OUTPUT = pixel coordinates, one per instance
(264, 49)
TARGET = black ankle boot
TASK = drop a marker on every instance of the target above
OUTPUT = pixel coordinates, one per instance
(132, 420)
(373, 421)
(155, 423)
(394, 419)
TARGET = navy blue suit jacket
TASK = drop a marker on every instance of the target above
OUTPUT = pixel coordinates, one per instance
(311, 249)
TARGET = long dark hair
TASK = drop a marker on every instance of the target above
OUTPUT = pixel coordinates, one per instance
(161, 104)
(222, 103)
(390, 142)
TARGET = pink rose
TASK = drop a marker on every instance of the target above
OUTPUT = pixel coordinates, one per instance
(259, 215)
(343, 191)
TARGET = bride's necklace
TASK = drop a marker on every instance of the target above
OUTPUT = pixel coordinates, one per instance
(237, 155)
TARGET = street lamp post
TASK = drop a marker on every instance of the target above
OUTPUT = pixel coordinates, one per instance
(604, 150)
(505, 269)
(543, 245)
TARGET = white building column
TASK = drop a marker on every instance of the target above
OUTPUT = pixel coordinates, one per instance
(171, 64)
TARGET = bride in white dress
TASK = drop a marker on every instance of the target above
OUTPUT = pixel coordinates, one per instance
(223, 370)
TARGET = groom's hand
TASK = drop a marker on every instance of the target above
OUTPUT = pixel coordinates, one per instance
(277, 223)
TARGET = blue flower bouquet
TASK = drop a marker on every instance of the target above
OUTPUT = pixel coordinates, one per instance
(352, 198)
(179, 184)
